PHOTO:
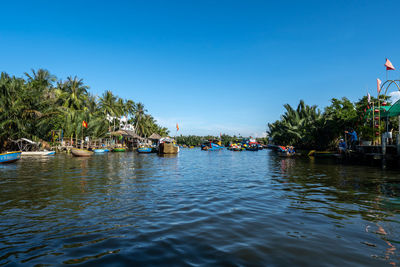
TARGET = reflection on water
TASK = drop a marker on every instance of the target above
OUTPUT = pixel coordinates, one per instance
(209, 208)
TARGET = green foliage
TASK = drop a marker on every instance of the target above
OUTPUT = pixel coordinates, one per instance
(34, 106)
(307, 127)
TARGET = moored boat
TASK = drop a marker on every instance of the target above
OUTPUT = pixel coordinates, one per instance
(119, 149)
(37, 153)
(145, 149)
(211, 146)
(81, 152)
(101, 150)
(9, 157)
(167, 146)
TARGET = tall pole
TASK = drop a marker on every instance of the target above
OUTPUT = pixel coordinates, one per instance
(373, 120)
(82, 139)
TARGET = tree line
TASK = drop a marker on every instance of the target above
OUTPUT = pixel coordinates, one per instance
(34, 105)
(195, 140)
(310, 128)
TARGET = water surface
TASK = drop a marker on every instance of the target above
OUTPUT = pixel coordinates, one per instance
(197, 208)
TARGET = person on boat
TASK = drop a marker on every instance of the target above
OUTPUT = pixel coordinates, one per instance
(291, 150)
(353, 138)
(342, 146)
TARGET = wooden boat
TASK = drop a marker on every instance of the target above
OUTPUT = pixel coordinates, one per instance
(119, 149)
(145, 149)
(37, 153)
(167, 146)
(81, 152)
(252, 148)
(210, 146)
(101, 150)
(9, 157)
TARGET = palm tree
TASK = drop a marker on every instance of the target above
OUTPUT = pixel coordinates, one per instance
(74, 93)
(139, 114)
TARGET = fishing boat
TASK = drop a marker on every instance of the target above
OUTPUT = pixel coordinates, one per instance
(235, 147)
(101, 150)
(167, 145)
(81, 152)
(119, 149)
(211, 146)
(37, 153)
(9, 157)
(145, 149)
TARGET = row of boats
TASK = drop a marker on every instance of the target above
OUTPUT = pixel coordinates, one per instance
(246, 144)
(165, 145)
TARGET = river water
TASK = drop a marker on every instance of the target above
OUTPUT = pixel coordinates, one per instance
(197, 208)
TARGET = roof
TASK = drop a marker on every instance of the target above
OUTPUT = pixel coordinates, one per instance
(155, 136)
(126, 133)
(387, 111)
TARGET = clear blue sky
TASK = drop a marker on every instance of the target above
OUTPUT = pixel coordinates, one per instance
(211, 66)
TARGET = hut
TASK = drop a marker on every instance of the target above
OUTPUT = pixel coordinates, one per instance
(154, 138)
(126, 138)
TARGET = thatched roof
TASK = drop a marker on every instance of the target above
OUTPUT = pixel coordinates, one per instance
(155, 136)
(126, 133)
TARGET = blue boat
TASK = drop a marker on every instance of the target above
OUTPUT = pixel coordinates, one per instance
(210, 146)
(10, 157)
(101, 150)
(145, 150)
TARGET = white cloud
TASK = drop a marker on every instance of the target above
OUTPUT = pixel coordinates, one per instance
(394, 96)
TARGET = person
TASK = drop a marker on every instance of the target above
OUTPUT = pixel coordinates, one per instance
(353, 139)
(342, 146)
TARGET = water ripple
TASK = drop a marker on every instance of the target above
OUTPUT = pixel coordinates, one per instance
(197, 208)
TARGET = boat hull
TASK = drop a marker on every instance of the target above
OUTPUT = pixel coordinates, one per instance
(100, 150)
(119, 150)
(10, 157)
(145, 150)
(38, 153)
(81, 152)
(168, 148)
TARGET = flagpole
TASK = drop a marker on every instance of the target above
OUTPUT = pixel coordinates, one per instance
(373, 120)
(82, 138)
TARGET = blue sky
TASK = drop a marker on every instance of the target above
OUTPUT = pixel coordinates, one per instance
(211, 66)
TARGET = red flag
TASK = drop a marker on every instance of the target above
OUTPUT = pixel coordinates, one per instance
(177, 127)
(378, 83)
(84, 124)
(389, 65)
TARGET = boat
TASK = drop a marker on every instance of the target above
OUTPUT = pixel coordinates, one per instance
(235, 147)
(167, 145)
(252, 147)
(9, 157)
(37, 153)
(81, 152)
(101, 150)
(145, 149)
(30, 148)
(211, 146)
(119, 149)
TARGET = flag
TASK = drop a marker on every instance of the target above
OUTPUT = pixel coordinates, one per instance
(369, 98)
(378, 83)
(177, 127)
(389, 65)
(84, 124)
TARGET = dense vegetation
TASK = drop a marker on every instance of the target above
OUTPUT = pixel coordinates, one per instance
(308, 127)
(36, 104)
